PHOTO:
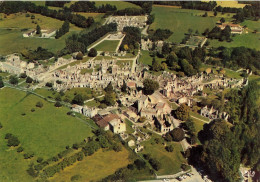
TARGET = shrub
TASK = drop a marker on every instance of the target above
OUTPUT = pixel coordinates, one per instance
(79, 56)
(20, 149)
(32, 109)
(48, 84)
(1, 126)
(177, 134)
(39, 104)
(29, 80)
(185, 167)
(8, 135)
(75, 177)
(23, 75)
(155, 164)
(57, 104)
(28, 155)
(139, 164)
(40, 159)
(169, 148)
(13, 141)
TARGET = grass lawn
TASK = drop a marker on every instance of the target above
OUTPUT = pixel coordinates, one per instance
(249, 40)
(19, 21)
(119, 4)
(19, 43)
(46, 131)
(197, 115)
(95, 167)
(170, 161)
(180, 20)
(129, 125)
(92, 103)
(107, 45)
(97, 16)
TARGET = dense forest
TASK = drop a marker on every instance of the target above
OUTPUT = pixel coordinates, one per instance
(132, 39)
(17, 6)
(87, 6)
(225, 146)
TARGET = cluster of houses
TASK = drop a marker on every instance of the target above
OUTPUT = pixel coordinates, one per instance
(126, 21)
(212, 113)
(14, 65)
(44, 33)
(101, 73)
(235, 28)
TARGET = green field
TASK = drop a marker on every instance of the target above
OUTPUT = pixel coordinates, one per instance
(119, 4)
(180, 20)
(107, 45)
(95, 167)
(45, 132)
(170, 161)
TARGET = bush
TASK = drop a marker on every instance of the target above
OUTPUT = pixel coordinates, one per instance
(39, 104)
(147, 156)
(139, 164)
(92, 52)
(40, 159)
(169, 148)
(79, 56)
(8, 135)
(23, 75)
(13, 141)
(32, 109)
(155, 164)
(177, 134)
(28, 155)
(29, 80)
(185, 167)
(48, 84)
(20, 149)
(75, 177)
(1, 126)
(57, 104)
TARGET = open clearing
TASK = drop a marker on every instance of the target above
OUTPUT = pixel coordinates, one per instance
(170, 161)
(107, 45)
(95, 167)
(180, 20)
(119, 4)
(46, 131)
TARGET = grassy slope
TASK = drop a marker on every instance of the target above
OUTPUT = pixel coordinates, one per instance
(95, 167)
(170, 161)
(107, 45)
(45, 132)
(180, 20)
(119, 4)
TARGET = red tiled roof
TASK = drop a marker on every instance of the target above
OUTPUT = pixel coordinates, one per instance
(104, 121)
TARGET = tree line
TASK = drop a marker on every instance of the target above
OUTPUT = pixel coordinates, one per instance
(65, 14)
(63, 30)
(43, 168)
(224, 146)
(87, 6)
(79, 42)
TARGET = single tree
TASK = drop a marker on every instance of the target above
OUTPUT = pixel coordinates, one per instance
(150, 86)
(92, 52)
(38, 29)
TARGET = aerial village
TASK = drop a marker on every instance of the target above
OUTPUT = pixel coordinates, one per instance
(113, 70)
(108, 67)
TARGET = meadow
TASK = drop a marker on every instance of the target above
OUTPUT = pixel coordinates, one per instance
(170, 161)
(107, 45)
(95, 167)
(180, 20)
(45, 132)
(119, 4)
